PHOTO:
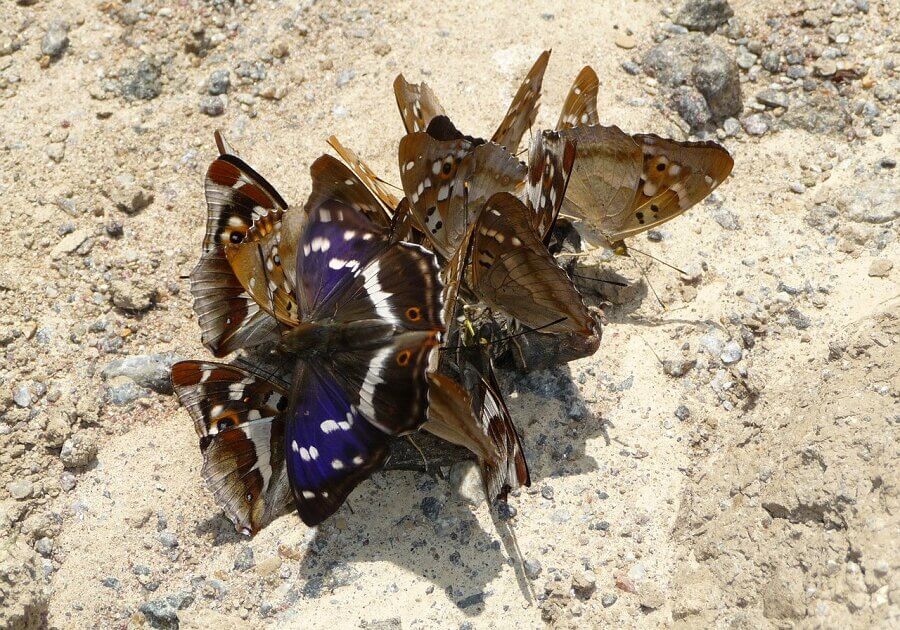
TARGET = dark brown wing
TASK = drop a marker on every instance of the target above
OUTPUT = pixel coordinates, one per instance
(417, 104)
(550, 164)
(513, 272)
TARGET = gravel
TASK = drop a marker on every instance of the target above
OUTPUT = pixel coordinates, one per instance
(219, 82)
(431, 507)
(691, 106)
(756, 124)
(20, 490)
(56, 39)
(152, 371)
(79, 451)
(142, 81)
(212, 105)
(732, 353)
(245, 560)
(772, 98)
(717, 77)
(160, 614)
(533, 569)
(703, 15)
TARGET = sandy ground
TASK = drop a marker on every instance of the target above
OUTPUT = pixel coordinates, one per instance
(773, 503)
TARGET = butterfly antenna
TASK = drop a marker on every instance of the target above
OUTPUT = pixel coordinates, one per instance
(421, 453)
(527, 329)
(601, 280)
(387, 183)
(661, 262)
(649, 284)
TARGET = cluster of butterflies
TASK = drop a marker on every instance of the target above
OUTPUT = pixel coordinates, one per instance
(375, 300)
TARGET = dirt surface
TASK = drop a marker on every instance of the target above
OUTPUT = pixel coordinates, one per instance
(728, 461)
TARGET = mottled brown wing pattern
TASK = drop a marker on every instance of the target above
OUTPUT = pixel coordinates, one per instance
(239, 418)
(513, 272)
(550, 164)
(417, 104)
(331, 179)
(260, 268)
(580, 107)
(675, 176)
(523, 110)
(367, 176)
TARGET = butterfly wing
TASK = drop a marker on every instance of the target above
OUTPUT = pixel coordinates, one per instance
(365, 174)
(513, 271)
(447, 180)
(239, 418)
(523, 110)
(329, 448)
(580, 106)
(417, 104)
(675, 177)
(236, 196)
(550, 164)
(605, 177)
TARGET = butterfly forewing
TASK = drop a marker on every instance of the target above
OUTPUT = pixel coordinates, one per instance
(365, 174)
(523, 110)
(550, 163)
(580, 107)
(417, 104)
(332, 180)
(512, 271)
(239, 418)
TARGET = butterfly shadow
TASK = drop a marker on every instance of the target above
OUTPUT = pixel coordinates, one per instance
(436, 537)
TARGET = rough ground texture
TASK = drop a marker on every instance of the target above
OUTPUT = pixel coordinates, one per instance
(728, 461)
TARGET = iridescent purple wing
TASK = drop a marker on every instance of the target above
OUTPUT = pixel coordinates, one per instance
(329, 447)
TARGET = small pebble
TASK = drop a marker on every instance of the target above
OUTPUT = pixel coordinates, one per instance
(880, 268)
(212, 105)
(608, 599)
(533, 569)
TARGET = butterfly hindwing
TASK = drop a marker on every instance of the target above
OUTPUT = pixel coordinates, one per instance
(675, 176)
(239, 418)
(329, 446)
(367, 176)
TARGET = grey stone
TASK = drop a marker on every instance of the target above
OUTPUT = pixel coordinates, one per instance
(181, 599)
(547, 492)
(712, 343)
(678, 367)
(771, 61)
(110, 582)
(732, 353)
(682, 412)
(726, 218)
(584, 584)
(79, 451)
(128, 194)
(533, 569)
(219, 82)
(22, 396)
(132, 295)
(44, 546)
(122, 391)
(732, 127)
(818, 114)
(67, 481)
(56, 39)
(20, 489)
(745, 59)
(798, 319)
(212, 105)
(141, 82)
(608, 599)
(772, 98)
(717, 77)
(703, 15)
(251, 70)
(160, 614)
(245, 560)
(152, 371)
(631, 68)
(170, 541)
(691, 106)
(756, 124)
(431, 508)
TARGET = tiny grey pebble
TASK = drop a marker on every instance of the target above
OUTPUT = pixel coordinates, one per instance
(505, 511)
(608, 599)
(168, 540)
(756, 124)
(219, 82)
(773, 98)
(245, 560)
(114, 229)
(431, 508)
(602, 495)
(797, 188)
(547, 492)
(67, 481)
(110, 582)
(56, 39)
(533, 569)
(887, 162)
(160, 614)
(731, 353)
(212, 105)
(682, 412)
(345, 77)
(20, 489)
(631, 68)
(654, 235)
(44, 546)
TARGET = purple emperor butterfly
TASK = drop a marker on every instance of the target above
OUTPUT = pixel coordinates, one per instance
(623, 185)
(240, 420)
(418, 106)
(362, 315)
(236, 197)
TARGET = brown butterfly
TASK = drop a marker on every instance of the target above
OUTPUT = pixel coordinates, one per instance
(623, 185)
(236, 197)
(418, 106)
(239, 418)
